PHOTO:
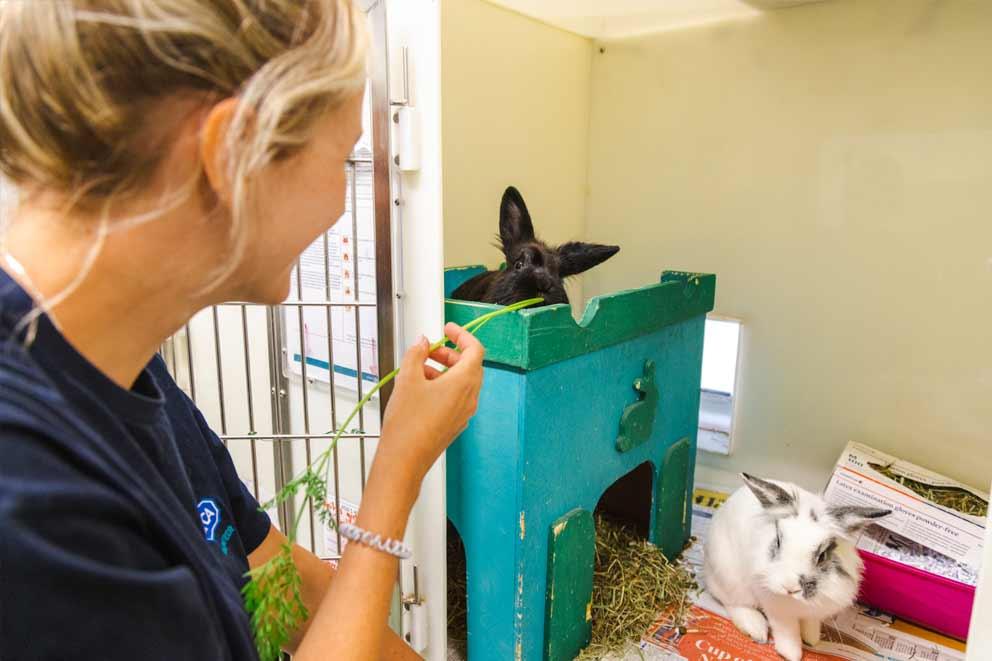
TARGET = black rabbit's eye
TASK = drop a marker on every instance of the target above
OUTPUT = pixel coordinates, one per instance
(519, 264)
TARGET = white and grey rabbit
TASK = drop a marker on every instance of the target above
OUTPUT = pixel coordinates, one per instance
(780, 557)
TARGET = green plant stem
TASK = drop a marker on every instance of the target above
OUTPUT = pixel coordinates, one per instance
(271, 623)
(471, 326)
(321, 463)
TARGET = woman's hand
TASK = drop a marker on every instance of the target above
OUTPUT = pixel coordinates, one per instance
(428, 408)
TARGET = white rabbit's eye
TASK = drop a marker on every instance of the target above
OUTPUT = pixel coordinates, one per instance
(825, 552)
(776, 546)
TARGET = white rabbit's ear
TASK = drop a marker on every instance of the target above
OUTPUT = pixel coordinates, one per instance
(852, 519)
(771, 496)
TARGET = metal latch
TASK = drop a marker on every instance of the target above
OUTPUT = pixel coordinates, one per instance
(415, 617)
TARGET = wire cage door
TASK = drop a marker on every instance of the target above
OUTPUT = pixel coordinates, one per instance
(276, 382)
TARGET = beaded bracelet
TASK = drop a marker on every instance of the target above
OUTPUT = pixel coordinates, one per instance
(364, 537)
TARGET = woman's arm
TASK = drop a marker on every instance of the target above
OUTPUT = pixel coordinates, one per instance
(427, 410)
(316, 576)
(351, 620)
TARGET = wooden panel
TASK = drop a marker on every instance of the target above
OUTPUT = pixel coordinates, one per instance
(531, 339)
(568, 607)
(637, 420)
(673, 506)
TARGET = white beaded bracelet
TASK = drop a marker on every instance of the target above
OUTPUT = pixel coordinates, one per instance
(391, 546)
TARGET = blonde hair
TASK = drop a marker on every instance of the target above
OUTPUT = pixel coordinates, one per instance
(80, 81)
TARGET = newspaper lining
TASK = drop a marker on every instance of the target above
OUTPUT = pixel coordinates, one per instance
(858, 634)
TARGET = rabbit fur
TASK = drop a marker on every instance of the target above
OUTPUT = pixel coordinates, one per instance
(779, 557)
(533, 269)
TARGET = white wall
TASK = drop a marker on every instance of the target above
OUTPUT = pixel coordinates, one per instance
(417, 228)
(833, 165)
(980, 634)
(515, 112)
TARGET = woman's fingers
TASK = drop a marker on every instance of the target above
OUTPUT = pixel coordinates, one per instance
(446, 356)
(413, 360)
(471, 350)
(468, 357)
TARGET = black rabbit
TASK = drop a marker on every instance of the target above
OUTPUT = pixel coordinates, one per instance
(532, 267)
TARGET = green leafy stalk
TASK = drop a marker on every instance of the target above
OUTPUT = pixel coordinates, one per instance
(272, 597)
(272, 594)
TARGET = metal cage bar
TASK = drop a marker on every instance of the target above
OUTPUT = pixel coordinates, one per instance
(228, 357)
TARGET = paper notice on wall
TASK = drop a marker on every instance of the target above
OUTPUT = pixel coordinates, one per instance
(348, 513)
(339, 341)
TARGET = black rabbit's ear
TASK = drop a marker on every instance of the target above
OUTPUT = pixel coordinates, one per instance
(576, 257)
(514, 219)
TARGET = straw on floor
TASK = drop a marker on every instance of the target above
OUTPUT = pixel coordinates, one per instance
(632, 584)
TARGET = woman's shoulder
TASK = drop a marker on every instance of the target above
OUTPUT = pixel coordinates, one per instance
(179, 406)
(43, 438)
(28, 396)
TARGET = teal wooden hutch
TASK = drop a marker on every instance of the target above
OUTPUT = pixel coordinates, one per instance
(567, 409)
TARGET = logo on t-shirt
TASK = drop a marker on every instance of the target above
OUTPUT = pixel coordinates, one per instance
(209, 517)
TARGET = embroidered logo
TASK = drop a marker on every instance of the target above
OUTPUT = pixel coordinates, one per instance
(225, 538)
(209, 517)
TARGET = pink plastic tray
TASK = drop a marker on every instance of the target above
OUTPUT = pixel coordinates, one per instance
(931, 601)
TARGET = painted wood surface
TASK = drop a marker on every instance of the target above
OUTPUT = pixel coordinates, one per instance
(544, 443)
(638, 418)
(568, 604)
(673, 509)
(531, 339)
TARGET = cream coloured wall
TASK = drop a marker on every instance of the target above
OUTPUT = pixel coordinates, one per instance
(515, 111)
(833, 165)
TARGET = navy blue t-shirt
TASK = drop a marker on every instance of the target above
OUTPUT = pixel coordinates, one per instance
(124, 529)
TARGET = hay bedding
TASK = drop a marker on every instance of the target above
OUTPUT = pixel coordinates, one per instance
(632, 584)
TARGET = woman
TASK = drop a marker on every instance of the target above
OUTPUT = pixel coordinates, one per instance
(170, 155)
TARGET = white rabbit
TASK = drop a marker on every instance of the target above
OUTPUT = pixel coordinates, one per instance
(778, 556)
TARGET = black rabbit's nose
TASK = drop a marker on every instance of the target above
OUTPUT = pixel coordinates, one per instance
(544, 280)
